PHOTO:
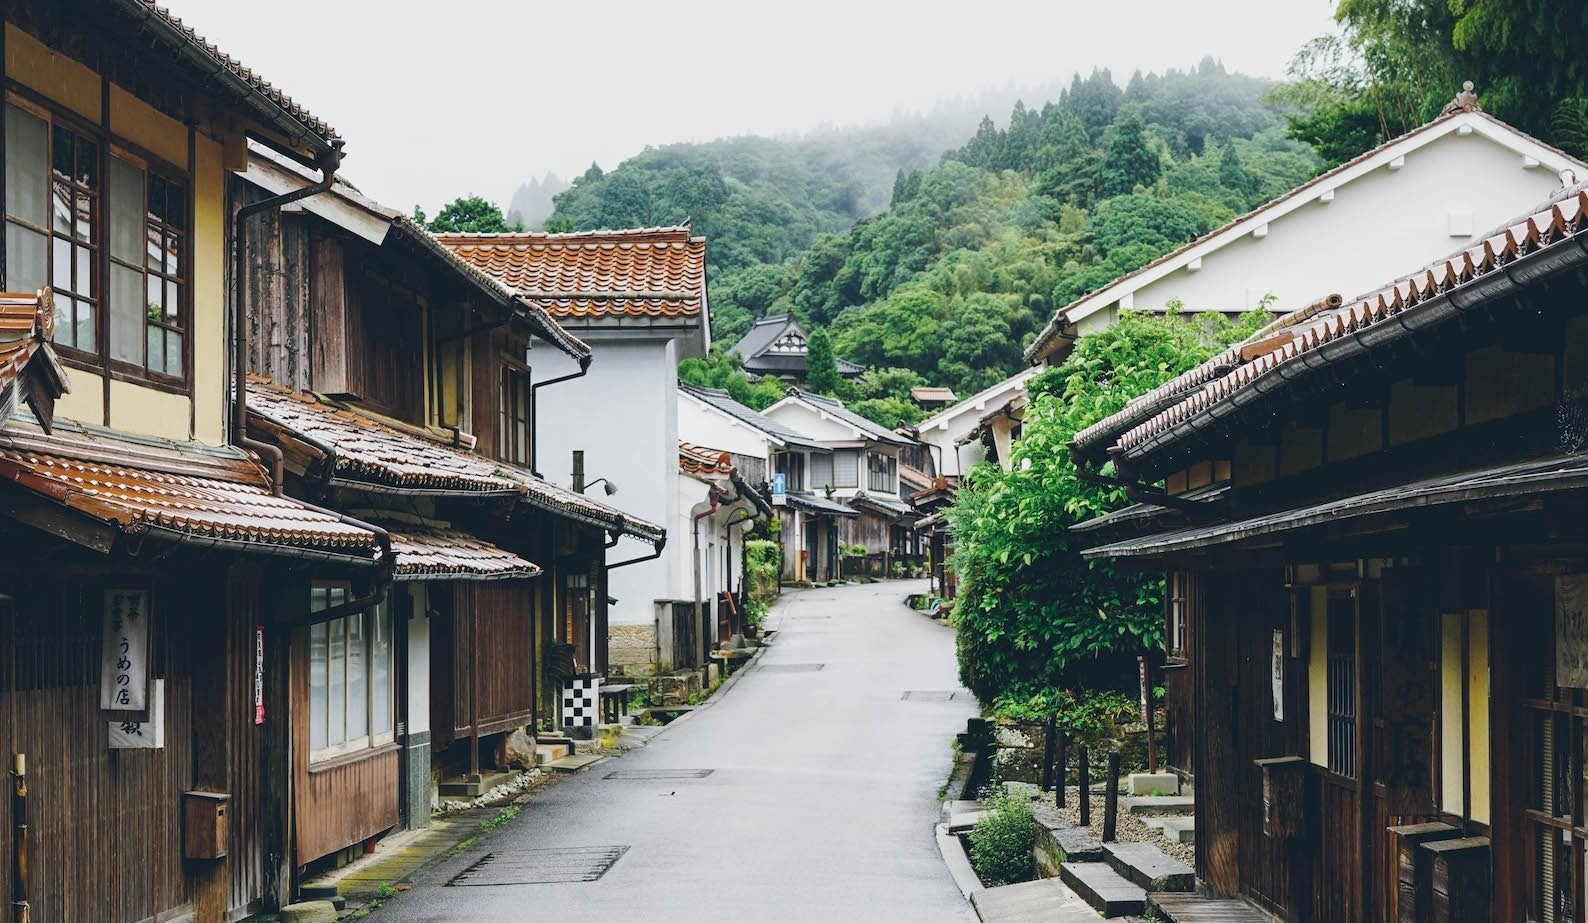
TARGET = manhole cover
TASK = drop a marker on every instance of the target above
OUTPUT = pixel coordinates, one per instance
(658, 774)
(929, 695)
(540, 866)
(791, 667)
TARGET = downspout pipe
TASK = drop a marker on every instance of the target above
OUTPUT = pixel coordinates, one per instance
(700, 618)
(328, 162)
(534, 410)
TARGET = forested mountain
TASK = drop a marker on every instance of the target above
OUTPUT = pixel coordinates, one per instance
(532, 203)
(973, 249)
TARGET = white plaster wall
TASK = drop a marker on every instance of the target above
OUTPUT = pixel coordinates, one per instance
(1378, 228)
(418, 679)
(944, 429)
(705, 426)
(624, 415)
(804, 419)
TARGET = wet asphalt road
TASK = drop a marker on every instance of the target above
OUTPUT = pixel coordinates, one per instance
(820, 803)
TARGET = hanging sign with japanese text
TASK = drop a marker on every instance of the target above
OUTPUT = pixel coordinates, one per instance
(124, 665)
(1276, 669)
(142, 735)
(259, 674)
(1571, 631)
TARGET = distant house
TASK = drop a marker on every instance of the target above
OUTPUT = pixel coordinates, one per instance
(1405, 202)
(775, 348)
(717, 508)
(932, 398)
(862, 472)
(638, 298)
(760, 448)
(955, 433)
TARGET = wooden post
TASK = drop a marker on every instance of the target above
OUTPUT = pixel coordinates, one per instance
(1149, 709)
(1062, 769)
(1111, 799)
(1048, 731)
(1085, 793)
(20, 912)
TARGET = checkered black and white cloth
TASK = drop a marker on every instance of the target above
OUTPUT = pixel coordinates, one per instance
(581, 702)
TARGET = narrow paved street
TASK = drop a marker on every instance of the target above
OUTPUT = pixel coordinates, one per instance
(819, 804)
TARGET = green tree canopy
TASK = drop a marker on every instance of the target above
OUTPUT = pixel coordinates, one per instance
(821, 369)
(1130, 161)
(470, 214)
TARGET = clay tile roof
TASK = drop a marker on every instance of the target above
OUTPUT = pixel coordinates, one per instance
(275, 105)
(26, 324)
(446, 554)
(928, 393)
(376, 452)
(694, 459)
(1326, 321)
(914, 478)
(147, 485)
(649, 272)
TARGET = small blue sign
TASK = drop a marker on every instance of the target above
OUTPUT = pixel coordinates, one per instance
(779, 484)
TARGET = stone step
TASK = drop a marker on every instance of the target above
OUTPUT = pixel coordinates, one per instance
(1180, 829)
(961, 819)
(1158, 804)
(1068, 843)
(1148, 866)
(1045, 900)
(470, 786)
(550, 753)
(574, 763)
(1103, 888)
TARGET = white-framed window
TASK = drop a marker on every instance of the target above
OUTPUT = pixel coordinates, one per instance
(821, 471)
(350, 676)
(882, 473)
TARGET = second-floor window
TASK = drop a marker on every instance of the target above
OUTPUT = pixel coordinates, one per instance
(514, 416)
(846, 468)
(882, 473)
(69, 199)
(792, 466)
(821, 471)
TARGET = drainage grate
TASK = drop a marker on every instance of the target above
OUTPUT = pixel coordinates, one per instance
(791, 667)
(551, 865)
(658, 774)
(929, 695)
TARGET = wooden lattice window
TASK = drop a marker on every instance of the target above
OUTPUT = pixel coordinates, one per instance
(1341, 692)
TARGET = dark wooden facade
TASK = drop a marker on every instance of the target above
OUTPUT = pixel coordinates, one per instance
(1385, 603)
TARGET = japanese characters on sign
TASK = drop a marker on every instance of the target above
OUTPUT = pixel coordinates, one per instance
(1277, 669)
(259, 674)
(126, 734)
(124, 665)
(1571, 631)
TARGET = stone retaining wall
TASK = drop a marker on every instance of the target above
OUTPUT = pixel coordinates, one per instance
(633, 649)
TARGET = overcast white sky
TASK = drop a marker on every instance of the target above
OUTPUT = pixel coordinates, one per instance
(441, 99)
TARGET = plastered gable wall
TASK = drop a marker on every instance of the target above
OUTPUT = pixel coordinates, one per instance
(807, 420)
(1378, 227)
(624, 415)
(705, 426)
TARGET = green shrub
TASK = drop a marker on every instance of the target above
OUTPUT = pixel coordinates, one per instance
(1002, 841)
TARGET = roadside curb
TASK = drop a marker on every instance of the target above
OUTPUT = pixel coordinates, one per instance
(958, 863)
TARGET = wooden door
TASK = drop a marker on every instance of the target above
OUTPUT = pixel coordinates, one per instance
(1339, 830)
(1218, 692)
(1267, 711)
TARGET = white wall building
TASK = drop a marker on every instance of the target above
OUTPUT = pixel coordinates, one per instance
(638, 298)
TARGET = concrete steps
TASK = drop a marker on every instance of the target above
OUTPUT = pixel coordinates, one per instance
(1042, 901)
(546, 754)
(1103, 889)
(1175, 829)
(1148, 867)
(1148, 805)
(574, 763)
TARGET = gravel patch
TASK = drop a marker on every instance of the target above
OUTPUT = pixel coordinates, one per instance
(1130, 828)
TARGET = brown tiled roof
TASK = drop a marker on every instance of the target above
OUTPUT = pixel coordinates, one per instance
(928, 393)
(142, 485)
(446, 554)
(914, 478)
(651, 272)
(694, 459)
(1304, 331)
(26, 323)
(1055, 328)
(182, 37)
(376, 452)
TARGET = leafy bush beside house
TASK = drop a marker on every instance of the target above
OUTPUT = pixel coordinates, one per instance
(1001, 843)
(1032, 614)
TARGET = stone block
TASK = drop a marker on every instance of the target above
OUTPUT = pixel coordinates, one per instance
(515, 750)
(632, 648)
(1011, 764)
(1152, 783)
(308, 912)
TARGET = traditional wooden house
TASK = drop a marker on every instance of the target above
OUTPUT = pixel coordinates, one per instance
(153, 568)
(861, 473)
(1372, 517)
(775, 347)
(398, 382)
